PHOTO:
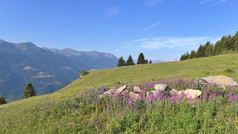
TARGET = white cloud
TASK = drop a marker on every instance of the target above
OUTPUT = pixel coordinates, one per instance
(213, 2)
(220, 1)
(112, 11)
(157, 43)
(205, 1)
(151, 26)
(152, 3)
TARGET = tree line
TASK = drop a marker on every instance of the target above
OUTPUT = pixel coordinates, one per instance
(130, 61)
(227, 44)
(29, 92)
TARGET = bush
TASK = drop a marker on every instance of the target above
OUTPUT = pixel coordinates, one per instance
(83, 73)
(2, 100)
(29, 91)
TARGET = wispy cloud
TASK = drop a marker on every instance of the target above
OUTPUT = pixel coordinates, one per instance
(205, 1)
(112, 11)
(213, 2)
(157, 43)
(220, 1)
(151, 26)
(152, 3)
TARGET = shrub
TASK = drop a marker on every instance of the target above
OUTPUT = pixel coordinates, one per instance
(83, 73)
(2, 100)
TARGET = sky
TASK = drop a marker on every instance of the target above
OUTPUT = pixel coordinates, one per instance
(161, 29)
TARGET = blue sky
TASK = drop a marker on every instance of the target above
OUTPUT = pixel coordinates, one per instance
(161, 29)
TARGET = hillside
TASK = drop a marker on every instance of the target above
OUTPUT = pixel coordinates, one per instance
(227, 44)
(35, 112)
(48, 69)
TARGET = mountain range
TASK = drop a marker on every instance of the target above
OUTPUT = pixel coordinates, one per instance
(48, 69)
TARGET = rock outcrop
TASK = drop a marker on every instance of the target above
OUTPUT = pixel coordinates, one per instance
(220, 80)
(162, 87)
(192, 94)
(121, 89)
(134, 95)
(137, 89)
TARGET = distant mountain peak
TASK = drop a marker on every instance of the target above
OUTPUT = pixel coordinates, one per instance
(48, 69)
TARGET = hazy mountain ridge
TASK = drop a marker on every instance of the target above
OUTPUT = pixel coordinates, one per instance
(48, 69)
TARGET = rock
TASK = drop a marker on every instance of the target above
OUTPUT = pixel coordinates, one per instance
(190, 93)
(154, 92)
(112, 90)
(173, 91)
(134, 95)
(220, 80)
(125, 92)
(121, 89)
(162, 87)
(100, 96)
(147, 94)
(137, 89)
(180, 92)
(107, 93)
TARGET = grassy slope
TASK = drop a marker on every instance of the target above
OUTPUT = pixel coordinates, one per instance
(13, 115)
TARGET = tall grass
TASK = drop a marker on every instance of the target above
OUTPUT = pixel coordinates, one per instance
(215, 111)
(53, 113)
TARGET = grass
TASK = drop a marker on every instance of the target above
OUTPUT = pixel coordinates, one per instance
(31, 115)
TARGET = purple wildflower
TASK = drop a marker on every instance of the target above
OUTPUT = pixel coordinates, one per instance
(228, 120)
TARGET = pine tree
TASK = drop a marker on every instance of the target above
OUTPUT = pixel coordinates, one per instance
(224, 47)
(236, 42)
(192, 54)
(217, 48)
(141, 59)
(186, 56)
(201, 51)
(146, 61)
(29, 90)
(2, 100)
(121, 62)
(209, 49)
(182, 58)
(130, 61)
(227, 44)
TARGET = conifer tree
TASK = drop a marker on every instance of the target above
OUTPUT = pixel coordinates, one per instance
(29, 91)
(217, 48)
(201, 51)
(121, 62)
(236, 42)
(141, 59)
(227, 44)
(182, 58)
(2, 100)
(209, 49)
(146, 61)
(186, 56)
(192, 54)
(130, 61)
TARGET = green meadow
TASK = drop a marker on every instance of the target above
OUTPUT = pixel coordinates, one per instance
(68, 111)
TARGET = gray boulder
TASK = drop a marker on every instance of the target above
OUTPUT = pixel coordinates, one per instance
(220, 80)
(191, 93)
(162, 87)
(134, 96)
(108, 93)
(125, 92)
(137, 89)
(121, 89)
